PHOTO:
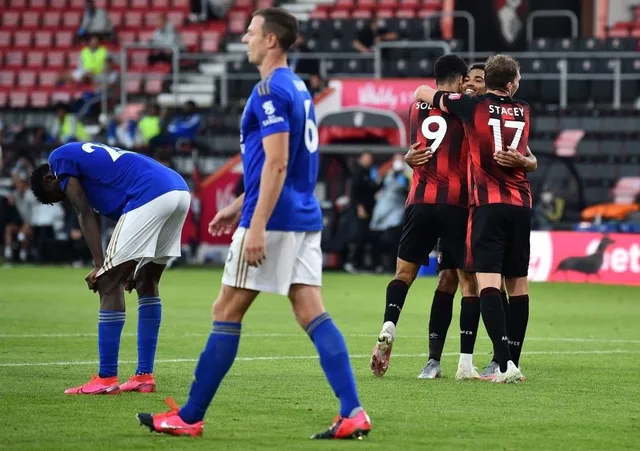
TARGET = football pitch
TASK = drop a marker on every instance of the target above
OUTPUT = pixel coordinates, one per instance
(580, 358)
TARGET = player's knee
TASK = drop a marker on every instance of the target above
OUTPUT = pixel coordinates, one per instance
(468, 285)
(147, 287)
(228, 307)
(517, 286)
(448, 281)
(407, 272)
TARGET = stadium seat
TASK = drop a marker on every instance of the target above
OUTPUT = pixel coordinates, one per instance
(362, 14)
(58, 4)
(140, 4)
(210, 41)
(48, 79)
(620, 45)
(333, 66)
(180, 4)
(602, 90)
(14, 59)
(27, 79)
(37, 4)
(367, 4)
(152, 19)
(121, 5)
(64, 39)
(5, 39)
(7, 79)
(590, 45)
(134, 86)
(160, 4)
(60, 96)
(39, 99)
(30, 19)
(116, 18)
(133, 19)
(10, 19)
(18, 99)
(263, 4)
(4, 98)
(153, 86)
(339, 14)
(238, 22)
(177, 18)
(35, 60)
(127, 37)
(71, 19)
(139, 58)
(43, 39)
(413, 4)
(578, 90)
(345, 4)
(22, 39)
(563, 45)
(56, 60)
(76, 4)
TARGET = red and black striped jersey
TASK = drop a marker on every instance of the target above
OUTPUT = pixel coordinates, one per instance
(443, 179)
(493, 123)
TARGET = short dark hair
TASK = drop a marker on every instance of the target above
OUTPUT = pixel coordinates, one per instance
(281, 23)
(37, 183)
(449, 67)
(479, 66)
(500, 70)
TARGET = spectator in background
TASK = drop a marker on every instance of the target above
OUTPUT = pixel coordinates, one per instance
(369, 36)
(149, 125)
(66, 127)
(308, 68)
(95, 21)
(548, 211)
(387, 216)
(182, 130)
(122, 132)
(93, 64)
(166, 35)
(22, 203)
(363, 190)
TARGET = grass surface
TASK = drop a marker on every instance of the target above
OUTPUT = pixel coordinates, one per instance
(580, 358)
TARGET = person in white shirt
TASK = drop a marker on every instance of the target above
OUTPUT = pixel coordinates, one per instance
(165, 35)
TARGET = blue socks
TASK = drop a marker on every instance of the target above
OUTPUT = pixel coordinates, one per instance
(334, 359)
(149, 316)
(110, 326)
(213, 365)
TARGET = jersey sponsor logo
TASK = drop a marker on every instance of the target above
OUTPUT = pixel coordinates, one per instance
(455, 96)
(300, 86)
(268, 108)
(272, 120)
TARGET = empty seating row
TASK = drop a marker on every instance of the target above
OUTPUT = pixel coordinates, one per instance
(106, 4)
(70, 20)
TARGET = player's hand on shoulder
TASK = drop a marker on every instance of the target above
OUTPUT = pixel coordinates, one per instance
(92, 279)
(224, 222)
(417, 156)
(510, 158)
(254, 246)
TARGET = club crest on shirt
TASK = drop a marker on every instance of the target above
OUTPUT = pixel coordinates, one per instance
(455, 96)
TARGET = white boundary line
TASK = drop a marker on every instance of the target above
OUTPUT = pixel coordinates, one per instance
(302, 335)
(309, 357)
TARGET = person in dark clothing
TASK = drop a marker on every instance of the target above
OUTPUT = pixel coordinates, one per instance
(307, 68)
(363, 190)
(371, 35)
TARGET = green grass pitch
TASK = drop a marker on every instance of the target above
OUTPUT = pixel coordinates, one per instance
(580, 358)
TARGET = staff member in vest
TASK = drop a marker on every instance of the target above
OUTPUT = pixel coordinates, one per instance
(66, 127)
(93, 63)
(149, 126)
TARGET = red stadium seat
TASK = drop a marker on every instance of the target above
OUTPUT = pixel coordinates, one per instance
(127, 37)
(56, 60)
(27, 79)
(238, 22)
(260, 4)
(39, 99)
(177, 18)
(145, 36)
(385, 14)
(362, 14)
(35, 60)
(72, 58)
(58, 4)
(48, 79)
(153, 86)
(134, 86)
(133, 19)
(405, 14)
(140, 4)
(180, 4)
(152, 19)
(120, 4)
(64, 39)
(367, 4)
(43, 39)
(10, 19)
(339, 14)
(5, 39)
(319, 14)
(388, 3)
(191, 39)
(433, 3)
(243, 4)
(7, 79)
(18, 99)
(345, 4)
(424, 13)
(409, 4)
(18, 4)
(60, 96)
(22, 39)
(161, 4)
(51, 19)
(210, 41)
(14, 59)
(71, 19)
(618, 33)
(30, 19)
(76, 4)
(139, 58)
(4, 98)
(103, 4)
(116, 18)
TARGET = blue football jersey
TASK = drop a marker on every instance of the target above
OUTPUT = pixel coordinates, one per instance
(115, 181)
(282, 103)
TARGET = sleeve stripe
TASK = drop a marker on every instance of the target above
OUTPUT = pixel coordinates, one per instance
(264, 87)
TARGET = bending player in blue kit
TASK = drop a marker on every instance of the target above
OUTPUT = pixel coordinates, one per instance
(150, 203)
(277, 245)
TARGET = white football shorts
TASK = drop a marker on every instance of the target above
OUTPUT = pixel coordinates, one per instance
(291, 258)
(150, 233)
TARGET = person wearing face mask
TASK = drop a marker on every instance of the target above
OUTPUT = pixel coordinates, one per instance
(549, 210)
(386, 220)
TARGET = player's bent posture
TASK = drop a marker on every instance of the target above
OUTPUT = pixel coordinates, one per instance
(498, 239)
(436, 210)
(150, 203)
(277, 245)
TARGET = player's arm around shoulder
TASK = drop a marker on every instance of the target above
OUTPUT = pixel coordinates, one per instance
(532, 161)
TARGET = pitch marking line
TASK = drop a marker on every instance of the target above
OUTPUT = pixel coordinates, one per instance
(301, 335)
(308, 357)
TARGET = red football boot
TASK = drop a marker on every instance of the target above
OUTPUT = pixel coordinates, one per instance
(170, 422)
(97, 386)
(142, 383)
(347, 428)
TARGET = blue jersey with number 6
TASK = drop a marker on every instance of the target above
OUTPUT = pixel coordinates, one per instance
(281, 103)
(114, 181)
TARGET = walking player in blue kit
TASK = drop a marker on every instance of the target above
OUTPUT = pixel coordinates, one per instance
(277, 245)
(150, 203)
